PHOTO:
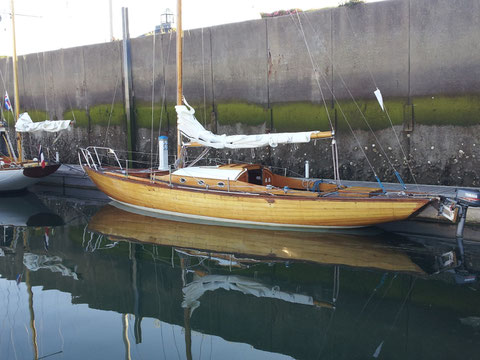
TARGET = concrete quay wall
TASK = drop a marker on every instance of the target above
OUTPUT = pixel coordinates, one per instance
(264, 75)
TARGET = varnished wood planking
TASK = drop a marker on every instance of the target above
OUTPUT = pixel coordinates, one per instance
(256, 208)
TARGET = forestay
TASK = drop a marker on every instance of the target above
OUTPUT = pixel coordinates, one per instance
(194, 131)
(25, 124)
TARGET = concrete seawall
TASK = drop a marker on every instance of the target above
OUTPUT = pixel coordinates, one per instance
(254, 76)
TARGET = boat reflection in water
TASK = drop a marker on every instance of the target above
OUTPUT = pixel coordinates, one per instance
(26, 209)
(361, 250)
(20, 213)
(211, 259)
(143, 287)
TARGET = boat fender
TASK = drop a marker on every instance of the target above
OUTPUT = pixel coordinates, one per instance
(285, 189)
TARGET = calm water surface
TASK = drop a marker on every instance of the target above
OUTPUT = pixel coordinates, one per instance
(81, 279)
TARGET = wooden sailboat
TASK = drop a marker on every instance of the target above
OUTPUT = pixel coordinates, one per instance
(17, 173)
(244, 193)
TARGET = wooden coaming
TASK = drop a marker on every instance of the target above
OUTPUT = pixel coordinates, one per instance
(306, 211)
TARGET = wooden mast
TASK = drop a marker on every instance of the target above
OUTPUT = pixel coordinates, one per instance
(179, 72)
(15, 84)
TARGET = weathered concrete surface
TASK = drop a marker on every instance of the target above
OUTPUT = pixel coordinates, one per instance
(371, 49)
(257, 76)
(444, 47)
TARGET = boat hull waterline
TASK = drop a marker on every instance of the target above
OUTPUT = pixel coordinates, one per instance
(255, 209)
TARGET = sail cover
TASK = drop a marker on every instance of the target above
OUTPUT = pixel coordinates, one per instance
(192, 129)
(25, 124)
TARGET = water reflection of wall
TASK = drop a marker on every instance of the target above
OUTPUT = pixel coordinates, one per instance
(140, 279)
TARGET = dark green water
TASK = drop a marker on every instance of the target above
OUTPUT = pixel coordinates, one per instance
(72, 286)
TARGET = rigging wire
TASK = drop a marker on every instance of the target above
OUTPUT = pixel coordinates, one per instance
(25, 64)
(111, 106)
(353, 99)
(355, 325)
(386, 112)
(315, 70)
(44, 80)
(389, 330)
(200, 157)
(338, 104)
(9, 144)
(66, 93)
(336, 173)
(111, 111)
(153, 98)
(159, 298)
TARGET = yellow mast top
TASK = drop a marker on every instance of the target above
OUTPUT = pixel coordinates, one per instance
(15, 83)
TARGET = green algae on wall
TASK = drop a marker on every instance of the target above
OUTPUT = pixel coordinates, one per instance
(107, 114)
(371, 110)
(443, 110)
(249, 114)
(303, 116)
(35, 115)
(99, 114)
(38, 115)
(300, 116)
(143, 115)
(79, 116)
(8, 117)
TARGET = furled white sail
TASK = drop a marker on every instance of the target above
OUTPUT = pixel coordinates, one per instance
(192, 129)
(25, 124)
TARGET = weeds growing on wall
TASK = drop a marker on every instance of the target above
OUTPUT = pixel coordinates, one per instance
(351, 3)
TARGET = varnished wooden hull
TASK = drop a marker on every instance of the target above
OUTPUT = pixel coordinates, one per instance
(267, 210)
(326, 248)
